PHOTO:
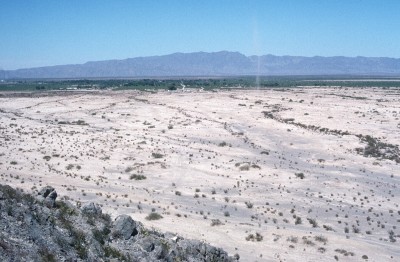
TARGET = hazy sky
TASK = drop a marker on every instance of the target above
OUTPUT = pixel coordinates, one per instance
(49, 32)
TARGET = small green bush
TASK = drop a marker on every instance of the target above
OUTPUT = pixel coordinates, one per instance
(257, 237)
(222, 144)
(154, 216)
(137, 177)
(157, 155)
(313, 222)
(114, 253)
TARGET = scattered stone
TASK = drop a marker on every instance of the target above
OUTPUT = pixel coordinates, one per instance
(124, 227)
(45, 191)
(91, 209)
(48, 196)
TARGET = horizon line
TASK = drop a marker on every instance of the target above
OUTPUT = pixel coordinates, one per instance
(194, 52)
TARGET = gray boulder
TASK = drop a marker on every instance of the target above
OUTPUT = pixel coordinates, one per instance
(124, 227)
(92, 209)
(48, 195)
(45, 191)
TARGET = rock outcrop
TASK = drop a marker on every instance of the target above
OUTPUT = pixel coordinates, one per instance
(43, 229)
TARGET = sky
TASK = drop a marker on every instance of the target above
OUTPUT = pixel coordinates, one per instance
(52, 32)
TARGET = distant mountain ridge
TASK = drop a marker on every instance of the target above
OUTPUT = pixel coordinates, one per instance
(221, 63)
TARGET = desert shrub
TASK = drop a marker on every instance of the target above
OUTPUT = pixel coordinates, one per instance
(244, 168)
(257, 237)
(344, 252)
(80, 122)
(222, 144)
(313, 222)
(292, 239)
(392, 236)
(308, 242)
(106, 219)
(101, 235)
(78, 242)
(129, 169)
(157, 155)
(65, 210)
(321, 239)
(327, 228)
(249, 204)
(114, 253)
(378, 149)
(154, 216)
(216, 222)
(137, 177)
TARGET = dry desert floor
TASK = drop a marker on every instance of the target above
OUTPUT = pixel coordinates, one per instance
(301, 174)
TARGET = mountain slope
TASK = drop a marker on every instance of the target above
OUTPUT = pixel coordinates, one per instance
(215, 64)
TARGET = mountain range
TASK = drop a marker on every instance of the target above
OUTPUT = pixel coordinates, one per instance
(222, 63)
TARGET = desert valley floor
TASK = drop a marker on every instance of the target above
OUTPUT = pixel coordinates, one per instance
(301, 174)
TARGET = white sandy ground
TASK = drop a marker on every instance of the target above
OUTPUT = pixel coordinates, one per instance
(341, 188)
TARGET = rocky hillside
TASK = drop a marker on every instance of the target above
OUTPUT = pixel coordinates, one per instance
(40, 228)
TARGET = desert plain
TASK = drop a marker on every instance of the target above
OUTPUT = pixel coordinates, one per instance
(299, 174)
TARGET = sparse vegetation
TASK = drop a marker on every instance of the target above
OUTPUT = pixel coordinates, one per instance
(154, 216)
(313, 222)
(249, 204)
(216, 222)
(137, 177)
(269, 181)
(157, 155)
(254, 237)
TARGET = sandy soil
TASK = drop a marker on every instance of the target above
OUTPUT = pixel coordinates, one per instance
(222, 166)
